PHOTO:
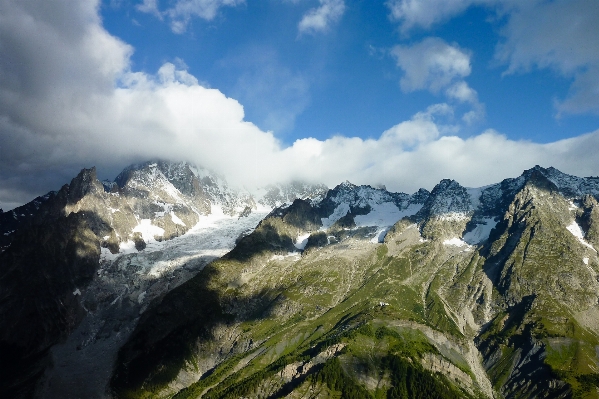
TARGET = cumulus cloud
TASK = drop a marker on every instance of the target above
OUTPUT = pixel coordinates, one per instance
(431, 64)
(320, 19)
(69, 99)
(434, 65)
(562, 35)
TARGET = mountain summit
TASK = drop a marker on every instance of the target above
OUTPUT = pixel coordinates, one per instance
(177, 286)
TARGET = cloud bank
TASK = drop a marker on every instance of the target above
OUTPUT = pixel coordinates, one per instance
(69, 99)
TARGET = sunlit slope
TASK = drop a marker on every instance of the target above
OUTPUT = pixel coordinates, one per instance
(422, 314)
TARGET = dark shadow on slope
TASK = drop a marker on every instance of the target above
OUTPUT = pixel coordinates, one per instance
(266, 237)
(40, 272)
(168, 333)
(275, 232)
(495, 262)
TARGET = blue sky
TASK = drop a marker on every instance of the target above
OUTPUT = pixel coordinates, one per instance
(342, 79)
(397, 92)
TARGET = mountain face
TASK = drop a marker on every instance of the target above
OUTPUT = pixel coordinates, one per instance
(78, 266)
(489, 292)
(177, 286)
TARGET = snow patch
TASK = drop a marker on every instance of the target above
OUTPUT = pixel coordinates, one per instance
(301, 241)
(380, 235)
(385, 215)
(481, 232)
(76, 292)
(176, 219)
(475, 194)
(148, 230)
(337, 214)
(382, 214)
(456, 242)
(141, 297)
(585, 261)
(576, 231)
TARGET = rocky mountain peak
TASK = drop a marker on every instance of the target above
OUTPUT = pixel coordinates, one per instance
(85, 183)
(506, 273)
(448, 197)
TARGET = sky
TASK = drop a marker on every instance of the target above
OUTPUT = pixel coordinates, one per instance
(399, 92)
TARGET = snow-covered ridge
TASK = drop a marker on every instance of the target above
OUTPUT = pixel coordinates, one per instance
(369, 207)
(214, 235)
(572, 186)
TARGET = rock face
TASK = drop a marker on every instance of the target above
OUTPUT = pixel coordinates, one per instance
(488, 292)
(79, 265)
(353, 292)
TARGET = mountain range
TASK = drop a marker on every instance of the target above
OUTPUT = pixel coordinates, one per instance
(167, 283)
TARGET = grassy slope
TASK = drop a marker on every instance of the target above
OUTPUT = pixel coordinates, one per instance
(527, 284)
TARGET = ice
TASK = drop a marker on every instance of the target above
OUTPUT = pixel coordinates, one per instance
(454, 216)
(382, 214)
(475, 194)
(385, 214)
(481, 232)
(212, 237)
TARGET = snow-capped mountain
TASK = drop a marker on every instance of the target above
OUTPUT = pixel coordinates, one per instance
(97, 253)
(173, 282)
(472, 293)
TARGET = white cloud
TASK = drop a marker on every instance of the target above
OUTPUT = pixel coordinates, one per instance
(425, 13)
(74, 102)
(320, 19)
(431, 64)
(434, 65)
(150, 7)
(462, 92)
(183, 11)
(562, 35)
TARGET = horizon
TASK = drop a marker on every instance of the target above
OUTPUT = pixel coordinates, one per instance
(401, 93)
(255, 191)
